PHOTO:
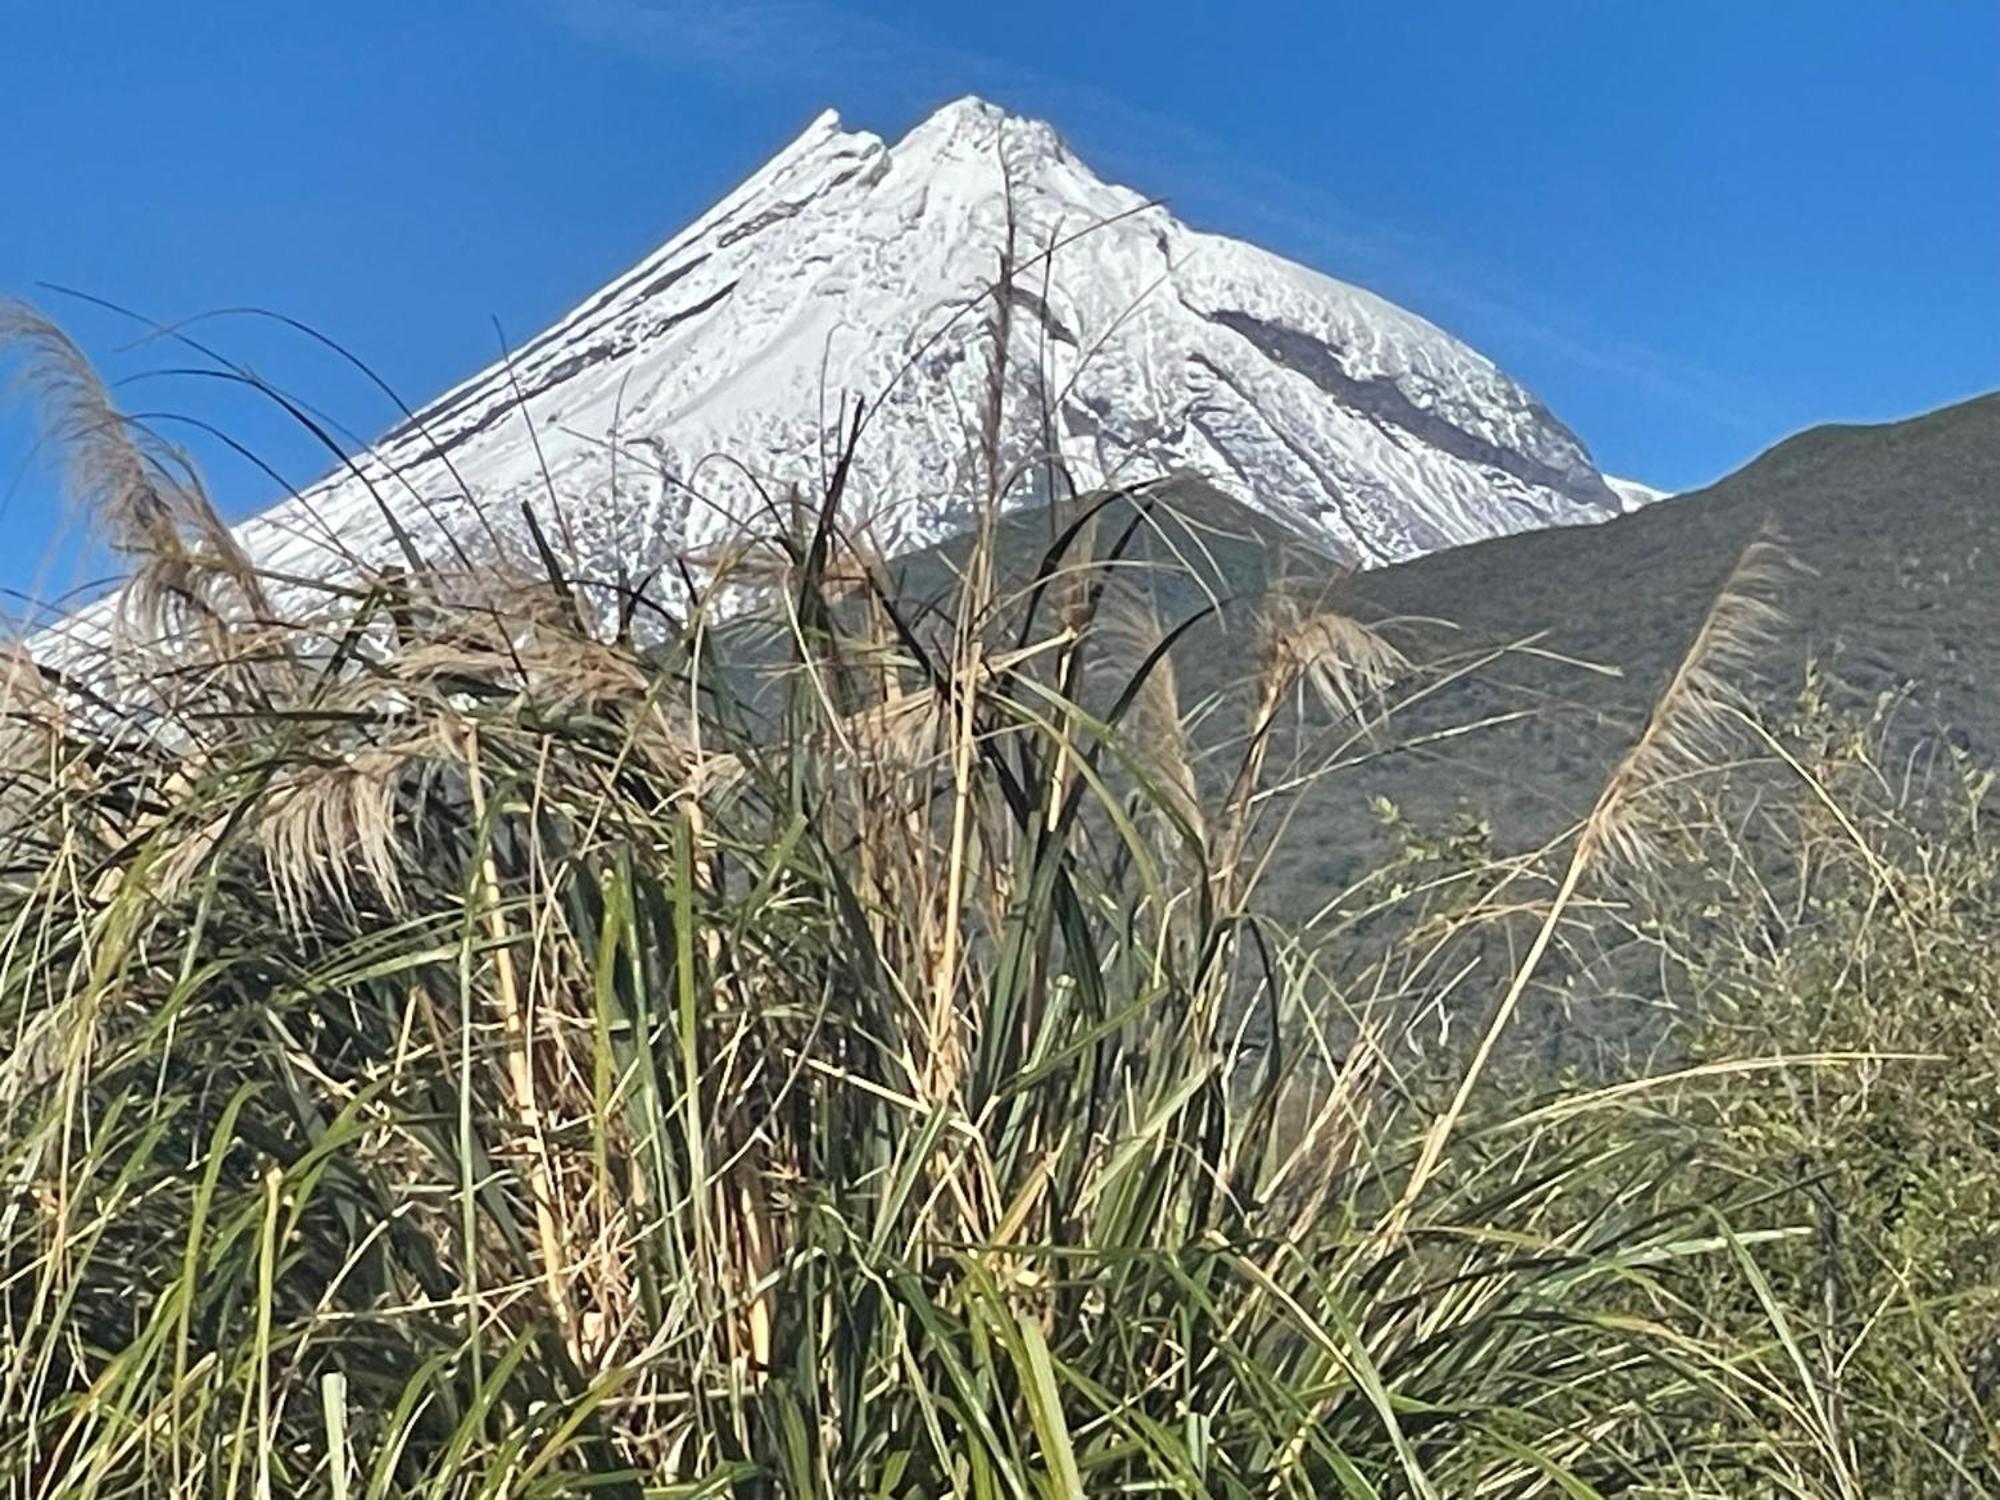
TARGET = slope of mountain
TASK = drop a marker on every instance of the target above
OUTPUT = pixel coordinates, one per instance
(669, 409)
(1892, 605)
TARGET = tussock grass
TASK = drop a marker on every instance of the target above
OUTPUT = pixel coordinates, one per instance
(456, 1050)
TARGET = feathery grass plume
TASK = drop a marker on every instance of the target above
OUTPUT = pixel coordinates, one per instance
(769, 564)
(143, 497)
(1685, 734)
(323, 828)
(1347, 665)
(1696, 722)
(905, 731)
(33, 725)
(1154, 731)
(127, 490)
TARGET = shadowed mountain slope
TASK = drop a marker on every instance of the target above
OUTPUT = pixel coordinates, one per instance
(1574, 631)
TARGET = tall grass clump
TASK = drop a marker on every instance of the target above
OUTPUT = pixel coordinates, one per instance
(811, 1046)
(1878, 931)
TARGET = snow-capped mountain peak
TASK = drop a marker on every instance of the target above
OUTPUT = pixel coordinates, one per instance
(661, 416)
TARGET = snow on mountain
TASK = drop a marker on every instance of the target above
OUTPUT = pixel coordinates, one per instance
(1632, 493)
(669, 408)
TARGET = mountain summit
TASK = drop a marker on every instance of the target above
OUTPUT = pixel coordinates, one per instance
(672, 408)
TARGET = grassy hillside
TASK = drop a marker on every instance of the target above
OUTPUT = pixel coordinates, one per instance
(1541, 653)
(850, 1047)
(1892, 528)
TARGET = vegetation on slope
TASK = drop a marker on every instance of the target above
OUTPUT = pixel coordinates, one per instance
(835, 1048)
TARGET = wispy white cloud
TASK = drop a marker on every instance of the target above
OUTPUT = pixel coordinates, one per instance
(778, 40)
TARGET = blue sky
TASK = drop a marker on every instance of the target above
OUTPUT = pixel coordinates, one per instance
(1691, 228)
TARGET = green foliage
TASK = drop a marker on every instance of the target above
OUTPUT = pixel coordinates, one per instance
(1882, 937)
(460, 1047)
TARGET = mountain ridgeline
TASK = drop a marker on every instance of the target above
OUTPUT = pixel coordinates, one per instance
(1537, 656)
(673, 410)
